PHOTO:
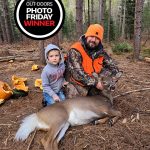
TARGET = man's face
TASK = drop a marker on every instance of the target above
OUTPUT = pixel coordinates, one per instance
(92, 41)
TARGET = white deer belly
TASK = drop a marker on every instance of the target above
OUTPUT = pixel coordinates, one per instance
(79, 117)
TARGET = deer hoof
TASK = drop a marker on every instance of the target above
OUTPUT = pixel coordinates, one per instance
(110, 122)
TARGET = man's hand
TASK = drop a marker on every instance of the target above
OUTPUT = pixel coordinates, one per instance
(56, 98)
(65, 83)
(99, 86)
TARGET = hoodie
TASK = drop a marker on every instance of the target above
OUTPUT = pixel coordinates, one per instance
(52, 75)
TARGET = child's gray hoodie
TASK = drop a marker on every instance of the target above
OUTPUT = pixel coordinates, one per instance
(52, 75)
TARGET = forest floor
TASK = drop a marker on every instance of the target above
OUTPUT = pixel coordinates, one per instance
(131, 132)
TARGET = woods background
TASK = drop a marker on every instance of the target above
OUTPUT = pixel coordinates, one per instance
(125, 22)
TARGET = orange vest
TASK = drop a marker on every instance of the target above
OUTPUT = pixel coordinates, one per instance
(88, 64)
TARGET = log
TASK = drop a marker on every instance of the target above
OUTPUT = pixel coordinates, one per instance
(147, 59)
(7, 58)
(18, 58)
(27, 58)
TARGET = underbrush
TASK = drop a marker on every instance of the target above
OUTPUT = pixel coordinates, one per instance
(123, 47)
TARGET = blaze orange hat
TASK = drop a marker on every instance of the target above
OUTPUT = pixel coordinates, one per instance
(95, 30)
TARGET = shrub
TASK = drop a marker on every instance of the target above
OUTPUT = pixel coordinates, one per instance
(122, 48)
(145, 52)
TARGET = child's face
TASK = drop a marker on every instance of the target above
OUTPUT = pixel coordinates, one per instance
(54, 57)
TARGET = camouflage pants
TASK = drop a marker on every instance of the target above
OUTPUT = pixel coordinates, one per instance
(73, 90)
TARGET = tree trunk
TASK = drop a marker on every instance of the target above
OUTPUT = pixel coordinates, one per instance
(79, 17)
(120, 21)
(42, 52)
(137, 28)
(60, 36)
(109, 17)
(3, 30)
(123, 21)
(1, 40)
(92, 11)
(55, 39)
(7, 20)
(89, 18)
(102, 11)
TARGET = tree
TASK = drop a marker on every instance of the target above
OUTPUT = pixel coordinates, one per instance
(79, 17)
(55, 39)
(89, 17)
(109, 17)
(92, 11)
(42, 52)
(146, 22)
(130, 11)
(123, 21)
(137, 28)
(3, 30)
(7, 22)
(102, 10)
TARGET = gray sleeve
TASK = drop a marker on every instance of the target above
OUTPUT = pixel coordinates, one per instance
(46, 85)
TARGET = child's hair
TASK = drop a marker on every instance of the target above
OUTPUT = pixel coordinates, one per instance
(53, 50)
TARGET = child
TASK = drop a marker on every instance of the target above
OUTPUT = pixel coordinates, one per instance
(52, 75)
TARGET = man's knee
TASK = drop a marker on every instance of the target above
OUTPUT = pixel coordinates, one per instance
(70, 91)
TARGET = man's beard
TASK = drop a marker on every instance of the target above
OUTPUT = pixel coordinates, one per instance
(91, 47)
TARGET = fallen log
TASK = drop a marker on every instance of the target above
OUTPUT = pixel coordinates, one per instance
(18, 58)
(26, 58)
(147, 59)
(7, 58)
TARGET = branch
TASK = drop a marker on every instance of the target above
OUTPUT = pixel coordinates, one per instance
(123, 94)
(31, 140)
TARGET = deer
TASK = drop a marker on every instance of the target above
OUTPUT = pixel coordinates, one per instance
(58, 117)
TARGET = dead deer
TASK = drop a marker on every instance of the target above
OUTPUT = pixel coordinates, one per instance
(57, 118)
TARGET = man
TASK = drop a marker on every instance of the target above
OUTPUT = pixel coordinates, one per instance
(87, 63)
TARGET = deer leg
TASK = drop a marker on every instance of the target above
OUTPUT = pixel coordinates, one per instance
(63, 131)
(101, 121)
(54, 135)
(48, 141)
(114, 115)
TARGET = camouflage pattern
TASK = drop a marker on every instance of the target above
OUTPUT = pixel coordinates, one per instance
(75, 70)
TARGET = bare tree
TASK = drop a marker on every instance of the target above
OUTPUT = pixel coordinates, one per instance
(79, 17)
(102, 10)
(137, 28)
(55, 39)
(7, 20)
(119, 20)
(123, 21)
(3, 30)
(89, 17)
(109, 17)
(42, 52)
(92, 11)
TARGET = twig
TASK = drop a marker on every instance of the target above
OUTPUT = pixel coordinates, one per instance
(5, 142)
(123, 94)
(75, 139)
(31, 140)
(141, 81)
(102, 138)
(5, 124)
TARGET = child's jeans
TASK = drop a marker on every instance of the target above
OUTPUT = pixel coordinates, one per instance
(48, 100)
